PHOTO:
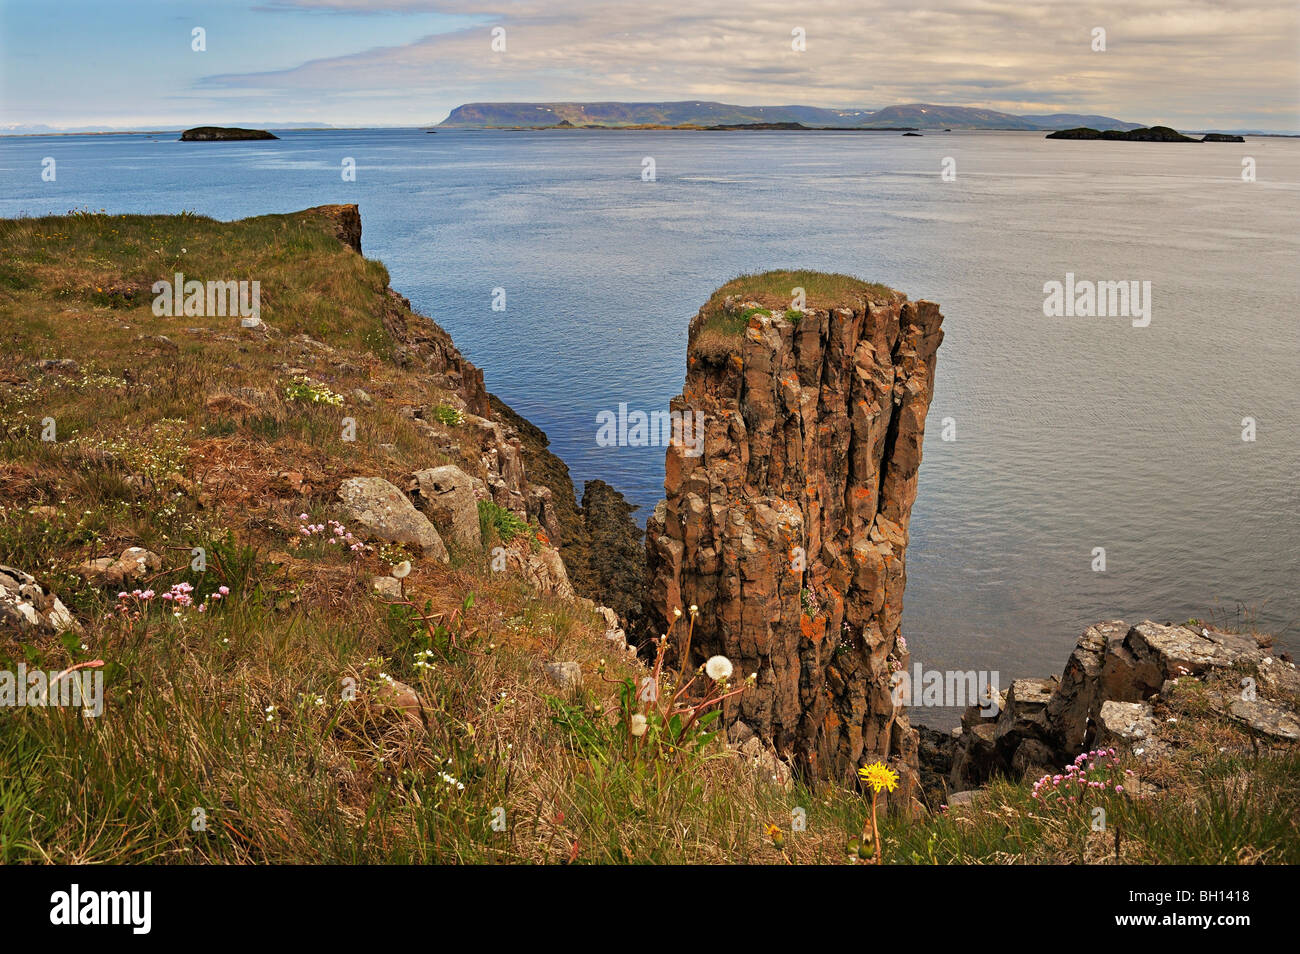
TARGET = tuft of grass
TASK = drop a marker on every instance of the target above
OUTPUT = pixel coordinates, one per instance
(496, 522)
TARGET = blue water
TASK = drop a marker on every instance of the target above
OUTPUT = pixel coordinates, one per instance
(1072, 433)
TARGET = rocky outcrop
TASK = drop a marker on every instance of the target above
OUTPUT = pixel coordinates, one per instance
(446, 495)
(789, 529)
(344, 220)
(1106, 697)
(382, 512)
(134, 565)
(542, 567)
(507, 461)
(423, 344)
(27, 610)
(616, 574)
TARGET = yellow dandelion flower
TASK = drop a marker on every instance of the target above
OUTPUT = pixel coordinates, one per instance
(777, 836)
(878, 777)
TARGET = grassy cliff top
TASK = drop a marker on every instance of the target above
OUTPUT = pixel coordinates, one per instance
(100, 270)
(184, 431)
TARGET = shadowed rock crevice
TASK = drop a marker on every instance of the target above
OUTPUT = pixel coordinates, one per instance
(599, 541)
(789, 530)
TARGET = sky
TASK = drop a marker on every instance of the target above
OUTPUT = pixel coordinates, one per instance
(1193, 64)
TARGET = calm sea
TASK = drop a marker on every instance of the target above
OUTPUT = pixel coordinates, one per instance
(1071, 433)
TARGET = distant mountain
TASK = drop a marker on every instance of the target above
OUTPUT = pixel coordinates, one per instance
(1075, 120)
(704, 113)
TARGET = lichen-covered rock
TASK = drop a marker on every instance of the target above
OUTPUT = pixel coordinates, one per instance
(446, 495)
(27, 610)
(1073, 707)
(613, 630)
(1105, 698)
(787, 524)
(1132, 726)
(566, 675)
(542, 568)
(1267, 718)
(381, 511)
(387, 587)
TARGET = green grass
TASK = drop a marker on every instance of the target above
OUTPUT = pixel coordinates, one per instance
(496, 522)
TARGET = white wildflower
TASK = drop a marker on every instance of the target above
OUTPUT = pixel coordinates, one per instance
(718, 668)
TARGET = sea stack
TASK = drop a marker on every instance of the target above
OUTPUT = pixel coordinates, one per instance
(787, 525)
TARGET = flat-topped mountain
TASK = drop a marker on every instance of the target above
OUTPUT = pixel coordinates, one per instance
(224, 134)
(708, 114)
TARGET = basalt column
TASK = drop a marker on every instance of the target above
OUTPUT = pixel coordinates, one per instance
(787, 524)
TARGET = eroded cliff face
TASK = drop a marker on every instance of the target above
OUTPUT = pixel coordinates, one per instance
(789, 529)
(507, 458)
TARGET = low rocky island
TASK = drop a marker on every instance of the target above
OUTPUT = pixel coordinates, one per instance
(1151, 134)
(224, 134)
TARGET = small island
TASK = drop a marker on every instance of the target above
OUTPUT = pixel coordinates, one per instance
(1152, 134)
(224, 134)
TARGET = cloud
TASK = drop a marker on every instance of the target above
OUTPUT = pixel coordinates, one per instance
(1166, 62)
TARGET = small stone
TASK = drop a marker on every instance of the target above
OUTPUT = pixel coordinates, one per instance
(566, 675)
(59, 365)
(387, 586)
(392, 694)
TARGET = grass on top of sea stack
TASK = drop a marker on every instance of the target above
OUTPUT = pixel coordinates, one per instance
(776, 290)
(776, 293)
